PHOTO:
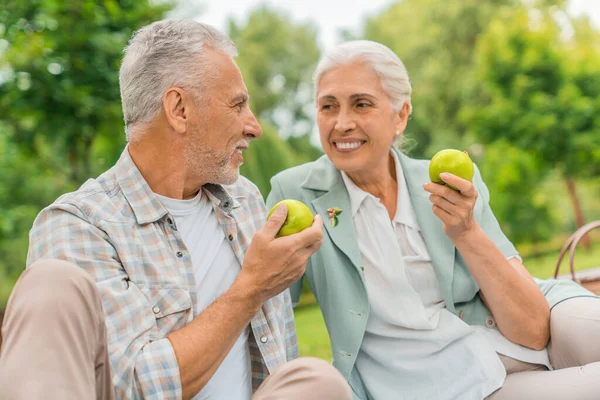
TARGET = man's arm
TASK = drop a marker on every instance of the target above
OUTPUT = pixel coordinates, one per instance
(181, 364)
(270, 267)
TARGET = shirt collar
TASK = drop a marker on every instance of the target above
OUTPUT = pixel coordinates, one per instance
(404, 210)
(145, 204)
(405, 214)
(356, 194)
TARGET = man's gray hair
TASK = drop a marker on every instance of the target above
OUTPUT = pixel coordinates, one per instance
(392, 72)
(161, 55)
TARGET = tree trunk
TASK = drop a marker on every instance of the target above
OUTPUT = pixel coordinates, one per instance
(579, 218)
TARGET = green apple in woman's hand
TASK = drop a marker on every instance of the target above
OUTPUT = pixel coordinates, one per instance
(299, 217)
(455, 162)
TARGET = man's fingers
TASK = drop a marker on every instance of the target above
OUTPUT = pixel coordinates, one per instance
(308, 236)
(314, 233)
(275, 221)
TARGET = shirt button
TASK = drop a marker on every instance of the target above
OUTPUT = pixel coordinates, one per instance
(226, 204)
(489, 322)
(169, 221)
(156, 309)
(264, 339)
(230, 238)
(179, 254)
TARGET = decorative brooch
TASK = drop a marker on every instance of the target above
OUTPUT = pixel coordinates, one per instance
(333, 213)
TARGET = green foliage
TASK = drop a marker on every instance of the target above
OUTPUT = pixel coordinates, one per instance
(277, 58)
(60, 115)
(26, 186)
(538, 90)
(63, 60)
(267, 156)
(539, 93)
(436, 41)
(512, 176)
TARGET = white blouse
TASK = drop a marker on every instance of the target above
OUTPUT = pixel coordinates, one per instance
(413, 347)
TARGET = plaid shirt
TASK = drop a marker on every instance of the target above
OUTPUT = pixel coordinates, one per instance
(116, 229)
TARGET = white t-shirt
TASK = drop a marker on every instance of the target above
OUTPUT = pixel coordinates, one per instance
(413, 348)
(216, 268)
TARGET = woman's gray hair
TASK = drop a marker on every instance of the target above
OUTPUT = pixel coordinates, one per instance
(161, 55)
(392, 72)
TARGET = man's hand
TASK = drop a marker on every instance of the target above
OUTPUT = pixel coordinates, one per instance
(272, 264)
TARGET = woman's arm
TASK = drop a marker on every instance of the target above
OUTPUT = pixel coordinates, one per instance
(518, 306)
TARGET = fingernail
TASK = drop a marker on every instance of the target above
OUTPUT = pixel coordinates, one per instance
(444, 175)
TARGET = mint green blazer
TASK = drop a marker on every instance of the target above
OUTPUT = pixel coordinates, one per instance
(334, 271)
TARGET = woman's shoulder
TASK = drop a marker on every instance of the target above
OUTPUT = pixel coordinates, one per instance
(300, 173)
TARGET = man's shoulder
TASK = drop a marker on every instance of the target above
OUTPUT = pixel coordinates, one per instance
(96, 199)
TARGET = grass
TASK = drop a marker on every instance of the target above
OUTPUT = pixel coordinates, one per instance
(313, 339)
(543, 266)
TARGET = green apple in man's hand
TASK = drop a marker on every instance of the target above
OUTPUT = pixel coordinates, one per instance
(455, 162)
(299, 217)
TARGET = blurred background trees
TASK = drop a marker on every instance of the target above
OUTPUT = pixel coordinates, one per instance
(516, 83)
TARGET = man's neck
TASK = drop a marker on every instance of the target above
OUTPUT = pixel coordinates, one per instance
(162, 165)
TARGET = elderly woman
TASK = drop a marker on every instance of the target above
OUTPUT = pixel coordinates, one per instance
(422, 294)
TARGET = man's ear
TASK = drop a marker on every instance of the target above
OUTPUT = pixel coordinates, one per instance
(176, 108)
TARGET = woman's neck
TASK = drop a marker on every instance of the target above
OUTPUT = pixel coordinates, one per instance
(380, 182)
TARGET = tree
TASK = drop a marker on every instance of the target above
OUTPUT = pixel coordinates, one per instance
(277, 58)
(512, 175)
(60, 115)
(540, 90)
(436, 41)
(61, 89)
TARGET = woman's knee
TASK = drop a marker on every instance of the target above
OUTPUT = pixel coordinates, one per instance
(574, 332)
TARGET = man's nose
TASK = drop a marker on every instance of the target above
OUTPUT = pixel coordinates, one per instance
(252, 127)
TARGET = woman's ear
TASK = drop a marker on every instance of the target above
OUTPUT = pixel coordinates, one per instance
(403, 115)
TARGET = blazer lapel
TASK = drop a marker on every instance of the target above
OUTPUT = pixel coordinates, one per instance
(324, 177)
(440, 247)
(343, 234)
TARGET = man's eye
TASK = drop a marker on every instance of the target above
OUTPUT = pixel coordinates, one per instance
(363, 105)
(326, 107)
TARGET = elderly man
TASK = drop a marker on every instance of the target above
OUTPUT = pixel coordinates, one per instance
(157, 280)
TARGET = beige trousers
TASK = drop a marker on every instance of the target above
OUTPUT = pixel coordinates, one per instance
(574, 352)
(54, 345)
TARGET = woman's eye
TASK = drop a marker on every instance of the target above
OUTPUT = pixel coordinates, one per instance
(363, 105)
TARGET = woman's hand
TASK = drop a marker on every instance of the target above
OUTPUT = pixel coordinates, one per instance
(453, 208)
